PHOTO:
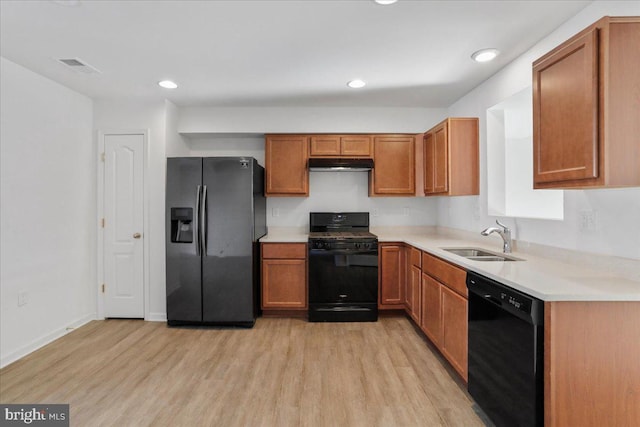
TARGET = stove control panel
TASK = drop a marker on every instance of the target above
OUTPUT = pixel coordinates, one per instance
(346, 245)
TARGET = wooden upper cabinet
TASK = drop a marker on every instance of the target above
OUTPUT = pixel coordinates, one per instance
(356, 146)
(566, 108)
(430, 160)
(286, 171)
(324, 145)
(341, 145)
(441, 159)
(451, 158)
(586, 109)
(394, 166)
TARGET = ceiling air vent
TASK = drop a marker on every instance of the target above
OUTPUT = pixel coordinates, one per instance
(78, 65)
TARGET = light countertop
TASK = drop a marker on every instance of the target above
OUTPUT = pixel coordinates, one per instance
(541, 276)
(286, 235)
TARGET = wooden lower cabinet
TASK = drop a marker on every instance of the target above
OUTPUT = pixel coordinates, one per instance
(284, 276)
(448, 274)
(444, 310)
(592, 368)
(391, 265)
(454, 330)
(431, 309)
(432, 292)
(414, 288)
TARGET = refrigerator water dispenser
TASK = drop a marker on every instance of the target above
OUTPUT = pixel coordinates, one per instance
(182, 225)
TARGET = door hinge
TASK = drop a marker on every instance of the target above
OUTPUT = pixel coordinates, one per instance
(102, 222)
(103, 156)
(102, 288)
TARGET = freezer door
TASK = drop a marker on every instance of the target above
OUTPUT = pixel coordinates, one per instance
(184, 288)
(227, 263)
(259, 203)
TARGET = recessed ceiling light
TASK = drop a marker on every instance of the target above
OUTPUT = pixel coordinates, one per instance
(385, 2)
(167, 84)
(356, 84)
(485, 55)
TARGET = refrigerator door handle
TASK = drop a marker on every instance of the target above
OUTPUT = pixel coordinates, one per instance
(204, 221)
(197, 220)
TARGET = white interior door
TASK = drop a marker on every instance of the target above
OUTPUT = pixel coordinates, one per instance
(123, 225)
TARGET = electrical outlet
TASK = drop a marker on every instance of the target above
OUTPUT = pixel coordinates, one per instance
(588, 220)
(275, 212)
(376, 212)
(406, 211)
(23, 298)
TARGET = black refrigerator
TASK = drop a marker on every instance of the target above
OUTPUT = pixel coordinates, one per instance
(215, 214)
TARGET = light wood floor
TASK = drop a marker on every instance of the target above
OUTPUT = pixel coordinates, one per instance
(283, 372)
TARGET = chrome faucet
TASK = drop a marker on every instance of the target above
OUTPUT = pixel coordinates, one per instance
(504, 232)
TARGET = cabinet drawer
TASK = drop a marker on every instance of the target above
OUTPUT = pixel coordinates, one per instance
(415, 257)
(325, 145)
(284, 250)
(356, 146)
(453, 277)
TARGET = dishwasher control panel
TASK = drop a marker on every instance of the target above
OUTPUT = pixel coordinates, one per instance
(516, 301)
(521, 304)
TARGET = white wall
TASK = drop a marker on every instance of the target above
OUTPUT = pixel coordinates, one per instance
(48, 209)
(348, 191)
(616, 231)
(308, 120)
(48, 183)
(175, 144)
(126, 115)
(241, 132)
(227, 145)
(509, 135)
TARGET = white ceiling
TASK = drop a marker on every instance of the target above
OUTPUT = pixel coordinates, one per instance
(275, 53)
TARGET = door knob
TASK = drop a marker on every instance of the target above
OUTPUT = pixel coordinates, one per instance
(137, 235)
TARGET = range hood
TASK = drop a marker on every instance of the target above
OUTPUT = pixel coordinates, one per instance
(329, 164)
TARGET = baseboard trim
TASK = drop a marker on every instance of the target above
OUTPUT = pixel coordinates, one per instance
(156, 317)
(44, 340)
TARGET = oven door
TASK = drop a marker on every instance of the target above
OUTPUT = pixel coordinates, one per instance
(343, 281)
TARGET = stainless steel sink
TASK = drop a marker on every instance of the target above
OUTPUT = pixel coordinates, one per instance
(476, 254)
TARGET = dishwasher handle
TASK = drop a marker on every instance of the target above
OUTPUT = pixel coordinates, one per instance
(493, 299)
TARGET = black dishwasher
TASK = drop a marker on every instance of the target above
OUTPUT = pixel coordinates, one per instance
(506, 337)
